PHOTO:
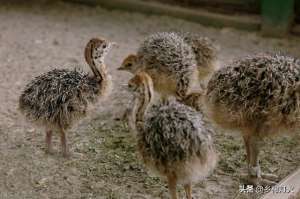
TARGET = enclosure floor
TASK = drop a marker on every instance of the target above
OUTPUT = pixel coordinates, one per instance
(104, 163)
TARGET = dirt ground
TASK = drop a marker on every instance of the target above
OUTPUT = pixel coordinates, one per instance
(104, 164)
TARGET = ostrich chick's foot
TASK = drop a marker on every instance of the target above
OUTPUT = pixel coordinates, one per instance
(256, 177)
(264, 180)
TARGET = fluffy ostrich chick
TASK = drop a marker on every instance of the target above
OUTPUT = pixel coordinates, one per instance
(56, 99)
(204, 50)
(170, 62)
(259, 96)
(174, 141)
(206, 54)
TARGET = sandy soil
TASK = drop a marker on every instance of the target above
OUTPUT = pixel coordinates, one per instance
(104, 164)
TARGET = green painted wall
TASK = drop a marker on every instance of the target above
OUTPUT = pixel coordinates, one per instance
(277, 16)
(297, 10)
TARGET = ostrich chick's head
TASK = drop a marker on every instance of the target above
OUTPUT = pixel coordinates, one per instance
(130, 64)
(96, 50)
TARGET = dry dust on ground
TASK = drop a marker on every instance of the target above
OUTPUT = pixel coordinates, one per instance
(104, 164)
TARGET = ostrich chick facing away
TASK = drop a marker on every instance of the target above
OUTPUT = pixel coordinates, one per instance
(170, 62)
(57, 98)
(205, 53)
(174, 140)
(259, 96)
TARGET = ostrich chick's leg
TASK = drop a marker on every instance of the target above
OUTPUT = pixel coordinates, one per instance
(64, 144)
(48, 141)
(252, 144)
(172, 182)
(126, 114)
(188, 190)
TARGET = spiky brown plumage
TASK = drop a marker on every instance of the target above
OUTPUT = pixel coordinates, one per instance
(258, 95)
(157, 54)
(260, 90)
(205, 53)
(173, 139)
(57, 98)
(174, 133)
(168, 60)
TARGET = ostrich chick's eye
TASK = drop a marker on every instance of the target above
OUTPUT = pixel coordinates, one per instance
(131, 87)
(104, 46)
(128, 65)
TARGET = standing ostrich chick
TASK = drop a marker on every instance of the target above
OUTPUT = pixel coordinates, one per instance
(205, 53)
(260, 96)
(56, 99)
(173, 140)
(170, 62)
(202, 49)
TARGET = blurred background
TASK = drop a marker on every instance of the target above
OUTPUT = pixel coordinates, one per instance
(36, 36)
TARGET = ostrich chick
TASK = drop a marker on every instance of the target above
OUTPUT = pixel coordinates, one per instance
(57, 98)
(170, 62)
(204, 50)
(205, 53)
(174, 140)
(258, 95)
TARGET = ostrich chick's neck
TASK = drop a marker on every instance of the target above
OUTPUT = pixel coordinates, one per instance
(98, 67)
(142, 102)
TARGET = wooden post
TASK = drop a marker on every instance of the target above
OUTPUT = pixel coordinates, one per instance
(277, 17)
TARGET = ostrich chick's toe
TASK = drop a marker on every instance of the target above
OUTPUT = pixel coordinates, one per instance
(263, 179)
